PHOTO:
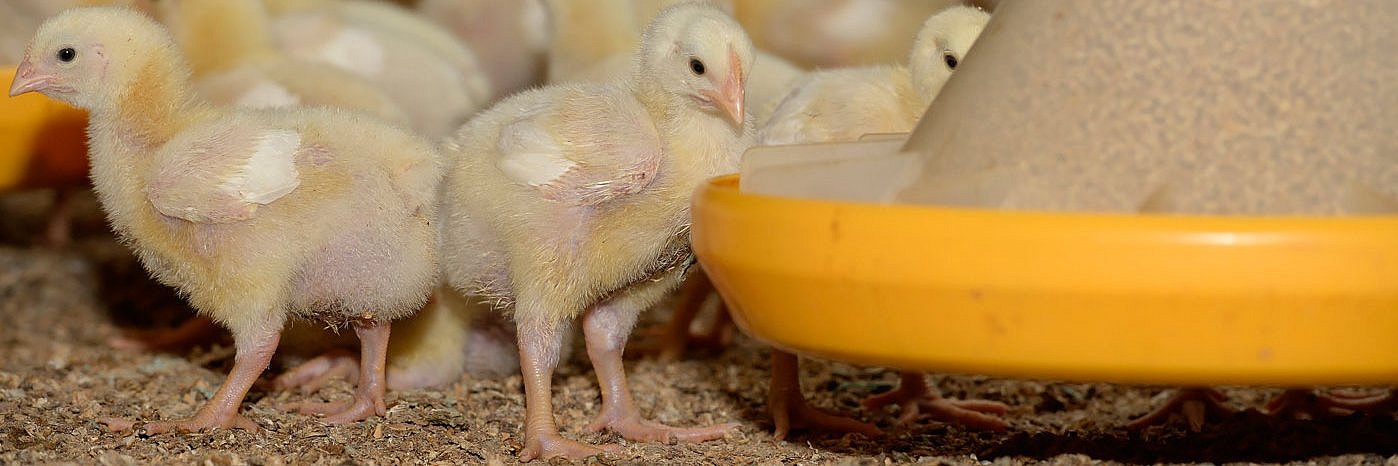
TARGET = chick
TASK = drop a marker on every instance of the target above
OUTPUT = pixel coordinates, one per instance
(579, 52)
(573, 200)
(234, 62)
(256, 216)
(508, 37)
(422, 67)
(844, 104)
(836, 33)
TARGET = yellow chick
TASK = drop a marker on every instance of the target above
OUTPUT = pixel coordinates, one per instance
(255, 216)
(844, 104)
(824, 34)
(234, 62)
(593, 43)
(510, 38)
(572, 201)
(438, 82)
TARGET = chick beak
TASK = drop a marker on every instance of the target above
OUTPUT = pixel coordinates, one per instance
(729, 98)
(27, 80)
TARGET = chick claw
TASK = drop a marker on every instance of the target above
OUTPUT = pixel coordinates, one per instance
(553, 446)
(1196, 404)
(914, 397)
(802, 416)
(636, 429)
(344, 412)
(315, 374)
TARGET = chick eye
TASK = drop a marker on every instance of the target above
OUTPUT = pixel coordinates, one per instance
(696, 66)
(67, 54)
(950, 60)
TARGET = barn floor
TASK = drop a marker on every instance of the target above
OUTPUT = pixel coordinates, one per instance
(58, 376)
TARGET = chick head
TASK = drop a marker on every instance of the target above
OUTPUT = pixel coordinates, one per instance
(941, 44)
(696, 52)
(89, 56)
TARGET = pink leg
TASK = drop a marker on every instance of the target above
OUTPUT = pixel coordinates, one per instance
(539, 345)
(789, 409)
(312, 375)
(914, 396)
(190, 333)
(1196, 404)
(670, 342)
(605, 328)
(369, 395)
(59, 231)
(221, 412)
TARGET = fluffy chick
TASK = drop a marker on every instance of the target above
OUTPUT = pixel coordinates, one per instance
(836, 33)
(844, 104)
(581, 53)
(254, 215)
(573, 200)
(438, 82)
(508, 37)
(234, 62)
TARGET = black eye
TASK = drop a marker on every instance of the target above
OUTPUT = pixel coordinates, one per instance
(696, 66)
(950, 60)
(67, 54)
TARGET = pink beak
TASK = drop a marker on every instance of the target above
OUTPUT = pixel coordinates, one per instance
(730, 95)
(27, 80)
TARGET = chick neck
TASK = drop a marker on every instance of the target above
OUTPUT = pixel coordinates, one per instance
(687, 129)
(151, 104)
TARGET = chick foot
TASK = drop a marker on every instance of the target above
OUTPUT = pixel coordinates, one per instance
(190, 333)
(221, 412)
(605, 330)
(369, 394)
(789, 409)
(1306, 404)
(915, 397)
(1372, 404)
(670, 342)
(311, 376)
(1195, 404)
(549, 446)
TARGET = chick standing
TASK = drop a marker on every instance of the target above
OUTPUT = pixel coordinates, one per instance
(254, 215)
(573, 200)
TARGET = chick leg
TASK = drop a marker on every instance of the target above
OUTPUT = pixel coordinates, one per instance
(669, 342)
(312, 375)
(191, 332)
(221, 412)
(789, 409)
(1195, 403)
(605, 328)
(59, 231)
(539, 346)
(369, 395)
(915, 396)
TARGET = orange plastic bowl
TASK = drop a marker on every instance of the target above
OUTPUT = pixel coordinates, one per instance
(1092, 297)
(43, 142)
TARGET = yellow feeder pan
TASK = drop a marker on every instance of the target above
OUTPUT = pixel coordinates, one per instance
(42, 142)
(1091, 297)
